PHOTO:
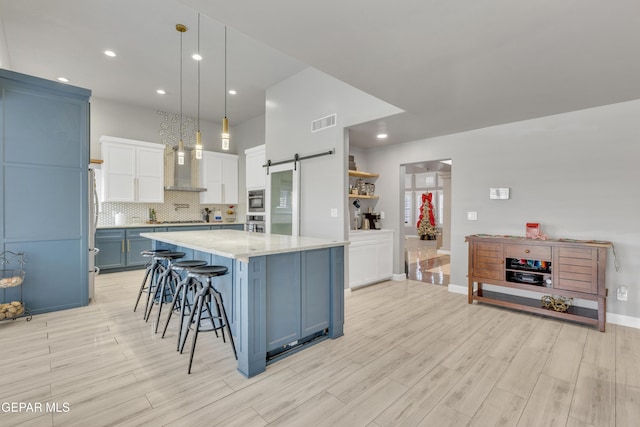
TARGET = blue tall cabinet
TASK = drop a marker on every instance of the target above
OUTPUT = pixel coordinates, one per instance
(44, 136)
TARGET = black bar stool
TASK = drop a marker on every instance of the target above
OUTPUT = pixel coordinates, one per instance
(185, 288)
(153, 270)
(167, 283)
(205, 293)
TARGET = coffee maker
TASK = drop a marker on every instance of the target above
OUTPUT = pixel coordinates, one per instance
(373, 220)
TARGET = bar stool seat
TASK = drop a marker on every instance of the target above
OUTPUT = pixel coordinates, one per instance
(167, 283)
(204, 296)
(209, 271)
(185, 287)
(152, 271)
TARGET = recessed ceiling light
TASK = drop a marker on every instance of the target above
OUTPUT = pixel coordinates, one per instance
(110, 53)
(161, 92)
(381, 135)
(197, 56)
(63, 79)
(232, 92)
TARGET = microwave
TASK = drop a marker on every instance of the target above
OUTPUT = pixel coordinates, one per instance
(256, 202)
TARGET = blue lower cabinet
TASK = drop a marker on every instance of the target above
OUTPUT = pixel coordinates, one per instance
(232, 227)
(135, 244)
(283, 300)
(298, 296)
(112, 250)
(315, 291)
(227, 227)
(189, 228)
(120, 248)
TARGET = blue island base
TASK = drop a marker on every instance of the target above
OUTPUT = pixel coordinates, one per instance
(278, 304)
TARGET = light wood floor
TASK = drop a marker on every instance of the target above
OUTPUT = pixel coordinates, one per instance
(425, 264)
(412, 354)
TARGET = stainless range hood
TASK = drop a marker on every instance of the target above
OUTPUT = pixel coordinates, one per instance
(185, 177)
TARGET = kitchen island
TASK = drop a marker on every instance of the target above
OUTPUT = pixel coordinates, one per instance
(282, 293)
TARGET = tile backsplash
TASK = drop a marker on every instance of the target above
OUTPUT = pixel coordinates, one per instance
(178, 205)
(174, 208)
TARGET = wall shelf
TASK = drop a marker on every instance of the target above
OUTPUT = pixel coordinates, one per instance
(360, 174)
(361, 196)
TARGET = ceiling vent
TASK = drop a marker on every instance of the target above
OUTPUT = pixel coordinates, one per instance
(323, 123)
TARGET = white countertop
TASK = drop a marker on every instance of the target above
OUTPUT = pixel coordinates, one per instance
(242, 245)
(364, 232)
(170, 224)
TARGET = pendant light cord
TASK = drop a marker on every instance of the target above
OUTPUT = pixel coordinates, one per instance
(200, 60)
(225, 71)
(181, 86)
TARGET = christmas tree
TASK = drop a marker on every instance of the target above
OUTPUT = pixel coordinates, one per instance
(427, 221)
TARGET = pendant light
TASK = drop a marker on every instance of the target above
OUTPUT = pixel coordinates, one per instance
(225, 121)
(198, 134)
(181, 29)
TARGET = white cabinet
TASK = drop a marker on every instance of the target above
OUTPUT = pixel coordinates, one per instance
(370, 257)
(219, 175)
(133, 171)
(255, 172)
(362, 268)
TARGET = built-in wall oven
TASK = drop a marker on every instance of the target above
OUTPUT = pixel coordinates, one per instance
(256, 202)
(255, 223)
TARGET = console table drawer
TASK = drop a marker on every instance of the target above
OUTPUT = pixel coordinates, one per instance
(542, 253)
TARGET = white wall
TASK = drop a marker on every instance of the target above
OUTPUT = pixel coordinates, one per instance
(360, 157)
(291, 106)
(576, 173)
(246, 135)
(5, 61)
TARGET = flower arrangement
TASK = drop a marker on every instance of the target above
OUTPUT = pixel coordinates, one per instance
(230, 211)
(427, 221)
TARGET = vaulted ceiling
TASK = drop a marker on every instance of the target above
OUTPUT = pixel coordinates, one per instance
(450, 65)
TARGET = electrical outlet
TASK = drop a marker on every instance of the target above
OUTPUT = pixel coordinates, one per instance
(472, 216)
(623, 293)
(382, 215)
(334, 212)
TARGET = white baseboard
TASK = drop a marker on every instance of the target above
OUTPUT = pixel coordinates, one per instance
(457, 289)
(616, 319)
(623, 320)
(347, 292)
(399, 277)
(444, 252)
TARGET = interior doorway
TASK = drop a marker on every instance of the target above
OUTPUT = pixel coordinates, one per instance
(427, 259)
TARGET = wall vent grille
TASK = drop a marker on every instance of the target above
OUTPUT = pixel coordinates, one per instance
(323, 123)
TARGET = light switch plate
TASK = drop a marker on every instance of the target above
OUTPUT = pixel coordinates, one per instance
(334, 212)
(472, 216)
(501, 193)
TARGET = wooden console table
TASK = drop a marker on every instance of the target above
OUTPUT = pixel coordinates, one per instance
(564, 267)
